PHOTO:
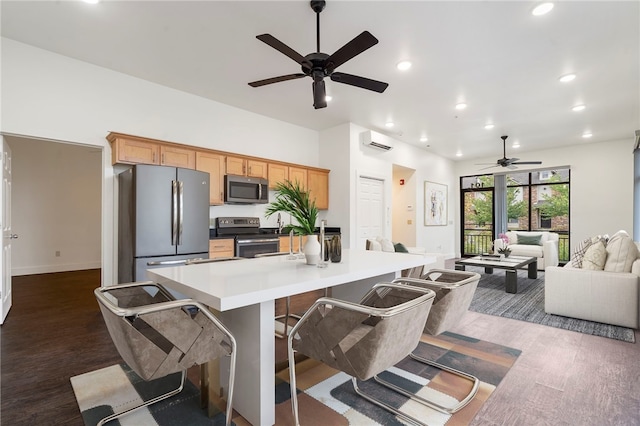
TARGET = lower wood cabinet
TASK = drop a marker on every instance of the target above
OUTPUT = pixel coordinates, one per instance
(222, 247)
(285, 244)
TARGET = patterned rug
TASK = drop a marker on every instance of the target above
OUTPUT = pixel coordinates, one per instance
(326, 396)
(528, 305)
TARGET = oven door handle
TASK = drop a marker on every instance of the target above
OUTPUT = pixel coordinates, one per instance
(258, 240)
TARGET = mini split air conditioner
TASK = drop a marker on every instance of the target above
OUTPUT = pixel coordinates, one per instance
(374, 140)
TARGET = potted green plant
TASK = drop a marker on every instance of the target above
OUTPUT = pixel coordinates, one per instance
(291, 198)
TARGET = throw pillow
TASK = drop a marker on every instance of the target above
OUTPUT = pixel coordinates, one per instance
(595, 257)
(583, 246)
(400, 248)
(621, 253)
(374, 245)
(530, 240)
(387, 245)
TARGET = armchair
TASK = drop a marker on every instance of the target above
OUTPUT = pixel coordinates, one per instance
(157, 335)
(362, 339)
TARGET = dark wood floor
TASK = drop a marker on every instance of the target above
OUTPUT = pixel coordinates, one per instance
(53, 331)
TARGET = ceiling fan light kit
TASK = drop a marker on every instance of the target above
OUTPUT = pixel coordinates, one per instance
(319, 65)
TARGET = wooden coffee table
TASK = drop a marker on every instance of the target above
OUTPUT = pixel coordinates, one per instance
(510, 264)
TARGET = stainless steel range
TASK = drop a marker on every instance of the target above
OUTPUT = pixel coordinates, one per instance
(250, 240)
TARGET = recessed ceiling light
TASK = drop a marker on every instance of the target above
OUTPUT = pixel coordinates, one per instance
(458, 154)
(578, 108)
(424, 139)
(489, 126)
(389, 124)
(328, 98)
(91, 1)
(567, 78)
(461, 105)
(587, 135)
(542, 9)
(403, 65)
(515, 145)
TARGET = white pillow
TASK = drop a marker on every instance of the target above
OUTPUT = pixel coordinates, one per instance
(595, 257)
(374, 245)
(387, 245)
(621, 253)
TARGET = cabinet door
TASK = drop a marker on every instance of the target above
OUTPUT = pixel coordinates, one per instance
(214, 165)
(257, 169)
(285, 244)
(298, 174)
(236, 166)
(131, 151)
(318, 184)
(221, 248)
(177, 157)
(278, 173)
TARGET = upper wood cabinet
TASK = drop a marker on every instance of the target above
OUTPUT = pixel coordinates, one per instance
(134, 151)
(298, 174)
(214, 165)
(318, 185)
(278, 173)
(177, 157)
(246, 167)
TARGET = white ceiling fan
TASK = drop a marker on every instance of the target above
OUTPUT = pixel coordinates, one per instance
(507, 162)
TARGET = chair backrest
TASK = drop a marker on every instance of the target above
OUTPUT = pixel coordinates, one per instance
(367, 338)
(157, 335)
(454, 292)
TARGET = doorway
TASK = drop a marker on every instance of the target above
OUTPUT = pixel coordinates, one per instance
(56, 206)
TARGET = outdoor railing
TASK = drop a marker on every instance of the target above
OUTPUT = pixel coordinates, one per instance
(478, 241)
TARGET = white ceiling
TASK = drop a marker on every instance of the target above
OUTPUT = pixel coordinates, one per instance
(496, 56)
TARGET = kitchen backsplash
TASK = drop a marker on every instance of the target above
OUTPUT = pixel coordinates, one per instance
(253, 210)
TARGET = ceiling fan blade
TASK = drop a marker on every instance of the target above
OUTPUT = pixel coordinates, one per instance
(490, 167)
(354, 80)
(512, 167)
(276, 79)
(528, 162)
(281, 47)
(319, 94)
(353, 48)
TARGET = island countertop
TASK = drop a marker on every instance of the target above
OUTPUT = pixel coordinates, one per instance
(238, 283)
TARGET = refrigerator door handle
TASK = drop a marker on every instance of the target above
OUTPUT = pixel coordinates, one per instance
(180, 210)
(174, 212)
(167, 262)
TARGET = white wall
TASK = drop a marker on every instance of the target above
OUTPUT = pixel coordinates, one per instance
(404, 206)
(601, 198)
(56, 193)
(45, 95)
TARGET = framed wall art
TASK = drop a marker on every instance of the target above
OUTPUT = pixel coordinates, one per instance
(435, 204)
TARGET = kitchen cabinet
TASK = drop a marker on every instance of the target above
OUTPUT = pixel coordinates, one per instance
(134, 151)
(298, 174)
(214, 165)
(318, 185)
(221, 247)
(278, 173)
(177, 157)
(246, 167)
(284, 243)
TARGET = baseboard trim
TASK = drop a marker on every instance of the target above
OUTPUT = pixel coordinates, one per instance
(46, 269)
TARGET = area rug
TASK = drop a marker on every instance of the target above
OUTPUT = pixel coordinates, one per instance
(325, 395)
(528, 305)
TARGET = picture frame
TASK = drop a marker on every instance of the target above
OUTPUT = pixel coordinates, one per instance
(436, 203)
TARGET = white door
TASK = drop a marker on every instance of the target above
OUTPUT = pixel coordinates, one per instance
(7, 236)
(371, 214)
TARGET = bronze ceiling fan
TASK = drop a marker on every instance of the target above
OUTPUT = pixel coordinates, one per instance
(318, 65)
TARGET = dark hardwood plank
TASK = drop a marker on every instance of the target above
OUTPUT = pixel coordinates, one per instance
(53, 331)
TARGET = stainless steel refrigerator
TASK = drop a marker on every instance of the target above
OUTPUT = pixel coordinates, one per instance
(163, 219)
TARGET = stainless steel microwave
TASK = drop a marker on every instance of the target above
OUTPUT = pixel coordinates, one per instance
(245, 190)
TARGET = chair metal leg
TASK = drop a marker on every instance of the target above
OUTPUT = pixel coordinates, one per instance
(286, 317)
(292, 380)
(434, 405)
(147, 403)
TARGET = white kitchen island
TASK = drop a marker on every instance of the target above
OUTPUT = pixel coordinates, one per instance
(244, 292)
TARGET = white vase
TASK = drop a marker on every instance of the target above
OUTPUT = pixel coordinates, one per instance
(311, 250)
